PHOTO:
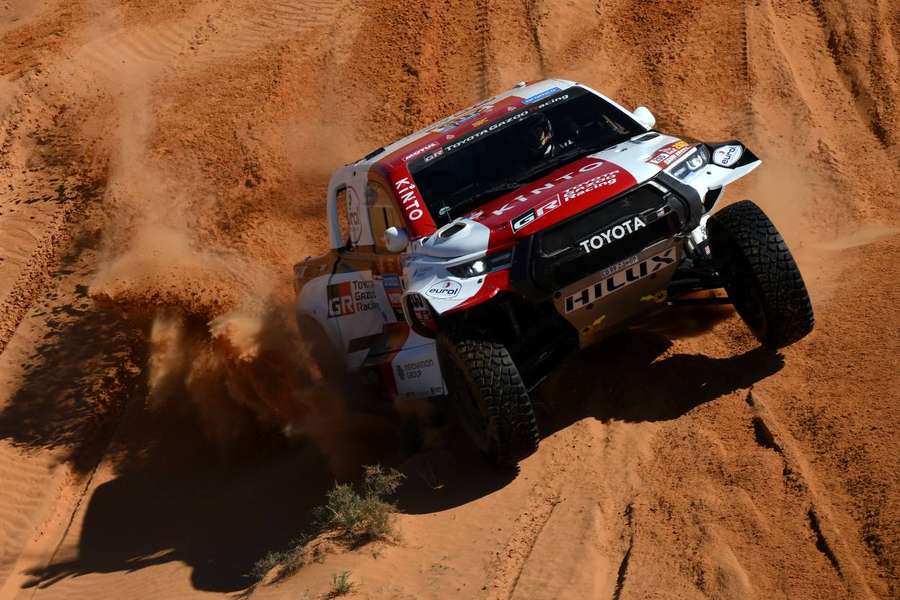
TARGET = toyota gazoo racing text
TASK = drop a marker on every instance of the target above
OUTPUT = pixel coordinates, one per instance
(470, 257)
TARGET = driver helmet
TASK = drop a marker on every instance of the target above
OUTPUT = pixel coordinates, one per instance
(538, 138)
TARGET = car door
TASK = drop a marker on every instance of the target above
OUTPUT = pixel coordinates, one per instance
(367, 291)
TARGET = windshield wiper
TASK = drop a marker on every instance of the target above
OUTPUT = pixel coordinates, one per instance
(482, 195)
(578, 150)
(567, 155)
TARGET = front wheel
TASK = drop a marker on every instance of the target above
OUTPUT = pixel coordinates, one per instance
(489, 397)
(761, 276)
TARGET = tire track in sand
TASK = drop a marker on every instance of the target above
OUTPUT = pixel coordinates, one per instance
(55, 182)
(509, 562)
(769, 433)
(533, 20)
(570, 502)
(129, 58)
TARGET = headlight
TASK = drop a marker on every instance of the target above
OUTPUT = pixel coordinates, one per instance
(691, 163)
(482, 265)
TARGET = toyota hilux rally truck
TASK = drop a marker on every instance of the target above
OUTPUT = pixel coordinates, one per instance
(469, 258)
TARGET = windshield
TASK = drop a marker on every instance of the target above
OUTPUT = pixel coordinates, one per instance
(500, 157)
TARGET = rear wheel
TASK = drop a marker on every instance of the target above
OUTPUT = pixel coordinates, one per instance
(325, 359)
(761, 276)
(489, 397)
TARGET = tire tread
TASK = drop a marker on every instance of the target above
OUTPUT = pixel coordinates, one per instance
(508, 405)
(786, 302)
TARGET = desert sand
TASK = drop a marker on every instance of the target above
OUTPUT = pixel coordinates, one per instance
(162, 166)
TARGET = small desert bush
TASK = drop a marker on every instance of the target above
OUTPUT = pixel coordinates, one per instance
(354, 514)
(340, 584)
(362, 515)
(269, 562)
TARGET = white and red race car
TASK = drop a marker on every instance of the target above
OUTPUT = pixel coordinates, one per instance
(473, 255)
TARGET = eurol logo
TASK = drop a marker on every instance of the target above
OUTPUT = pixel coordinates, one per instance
(444, 289)
(725, 156)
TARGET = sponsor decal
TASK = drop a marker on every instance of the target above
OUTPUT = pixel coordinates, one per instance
(569, 194)
(618, 280)
(444, 289)
(618, 266)
(657, 298)
(497, 125)
(419, 151)
(552, 101)
(409, 198)
(667, 155)
(483, 132)
(353, 218)
(424, 316)
(351, 297)
(463, 117)
(725, 156)
(536, 213)
(596, 323)
(540, 96)
(616, 232)
(393, 288)
(590, 185)
(431, 157)
(392, 283)
(414, 370)
(523, 220)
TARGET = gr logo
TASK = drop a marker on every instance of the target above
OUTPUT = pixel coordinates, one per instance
(340, 299)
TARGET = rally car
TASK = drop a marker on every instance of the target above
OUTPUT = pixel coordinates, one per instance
(468, 259)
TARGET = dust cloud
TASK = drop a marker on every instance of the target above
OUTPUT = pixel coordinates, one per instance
(222, 341)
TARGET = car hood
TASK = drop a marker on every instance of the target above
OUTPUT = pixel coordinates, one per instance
(576, 187)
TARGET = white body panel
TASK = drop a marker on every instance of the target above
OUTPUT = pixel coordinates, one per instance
(357, 311)
(360, 309)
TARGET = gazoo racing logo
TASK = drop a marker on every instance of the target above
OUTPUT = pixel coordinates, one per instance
(444, 289)
(349, 297)
(616, 232)
(619, 280)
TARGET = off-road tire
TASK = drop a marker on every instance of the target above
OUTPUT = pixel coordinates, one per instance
(498, 413)
(761, 276)
(321, 349)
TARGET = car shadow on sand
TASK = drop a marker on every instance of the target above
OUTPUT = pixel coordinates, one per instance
(633, 377)
(174, 497)
(163, 493)
(217, 519)
(169, 496)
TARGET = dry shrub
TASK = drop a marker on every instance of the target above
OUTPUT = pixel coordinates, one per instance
(352, 515)
(366, 516)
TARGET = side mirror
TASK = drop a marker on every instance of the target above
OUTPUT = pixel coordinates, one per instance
(643, 116)
(396, 239)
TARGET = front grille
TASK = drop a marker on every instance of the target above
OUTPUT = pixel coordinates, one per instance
(558, 258)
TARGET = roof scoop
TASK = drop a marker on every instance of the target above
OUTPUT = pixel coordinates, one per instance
(451, 229)
(457, 238)
(645, 137)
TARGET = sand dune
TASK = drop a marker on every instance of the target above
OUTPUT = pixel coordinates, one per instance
(162, 165)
